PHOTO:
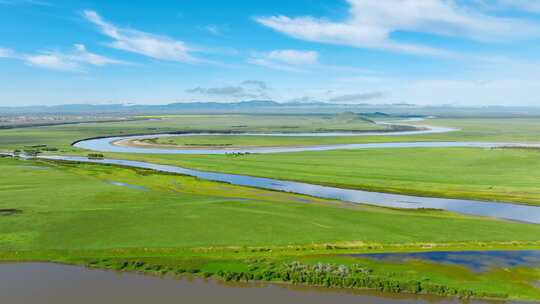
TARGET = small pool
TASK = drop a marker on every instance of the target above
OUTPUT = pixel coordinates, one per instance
(474, 260)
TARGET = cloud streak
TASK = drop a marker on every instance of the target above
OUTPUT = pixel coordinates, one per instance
(288, 60)
(142, 43)
(76, 60)
(531, 6)
(371, 23)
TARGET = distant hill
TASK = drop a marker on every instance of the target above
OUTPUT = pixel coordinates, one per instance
(368, 111)
(180, 107)
(122, 108)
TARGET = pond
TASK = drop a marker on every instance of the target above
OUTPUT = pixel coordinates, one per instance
(474, 260)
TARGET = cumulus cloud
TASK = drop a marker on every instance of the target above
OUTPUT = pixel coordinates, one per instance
(358, 97)
(75, 60)
(246, 89)
(142, 43)
(371, 23)
(285, 59)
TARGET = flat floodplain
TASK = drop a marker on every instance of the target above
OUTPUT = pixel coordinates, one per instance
(72, 213)
(139, 220)
(498, 174)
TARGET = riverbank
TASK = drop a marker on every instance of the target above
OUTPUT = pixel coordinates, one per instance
(328, 268)
(486, 174)
(24, 284)
(72, 213)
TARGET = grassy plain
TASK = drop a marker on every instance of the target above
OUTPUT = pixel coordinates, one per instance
(521, 130)
(62, 136)
(471, 129)
(73, 213)
(503, 175)
(485, 174)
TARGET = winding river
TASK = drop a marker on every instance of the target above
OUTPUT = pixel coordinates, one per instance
(502, 210)
(69, 284)
(110, 144)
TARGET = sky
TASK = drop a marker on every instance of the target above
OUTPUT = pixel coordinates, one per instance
(425, 52)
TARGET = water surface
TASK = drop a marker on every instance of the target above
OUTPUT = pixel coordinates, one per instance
(474, 260)
(501, 210)
(107, 144)
(41, 283)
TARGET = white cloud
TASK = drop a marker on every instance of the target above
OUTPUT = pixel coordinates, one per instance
(294, 57)
(246, 89)
(371, 23)
(71, 61)
(526, 5)
(290, 60)
(52, 61)
(6, 53)
(154, 46)
(532, 6)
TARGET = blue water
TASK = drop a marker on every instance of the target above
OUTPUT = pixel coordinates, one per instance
(501, 210)
(108, 144)
(474, 260)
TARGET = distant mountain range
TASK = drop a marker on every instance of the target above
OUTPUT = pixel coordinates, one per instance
(172, 107)
(272, 107)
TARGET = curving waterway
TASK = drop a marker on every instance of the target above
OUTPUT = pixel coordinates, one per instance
(69, 284)
(111, 144)
(502, 210)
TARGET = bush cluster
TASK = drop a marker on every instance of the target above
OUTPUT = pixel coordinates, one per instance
(320, 274)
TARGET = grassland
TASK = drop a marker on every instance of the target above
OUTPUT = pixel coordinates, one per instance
(137, 220)
(483, 174)
(471, 129)
(477, 129)
(63, 136)
(500, 175)
(73, 213)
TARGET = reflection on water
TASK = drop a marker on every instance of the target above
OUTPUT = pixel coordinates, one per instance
(40, 283)
(474, 260)
(107, 144)
(509, 211)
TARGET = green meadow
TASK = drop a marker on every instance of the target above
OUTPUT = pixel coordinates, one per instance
(125, 219)
(474, 173)
(520, 130)
(62, 136)
(140, 220)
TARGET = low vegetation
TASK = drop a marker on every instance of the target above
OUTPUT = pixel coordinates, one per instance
(469, 173)
(85, 214)
(72, 213)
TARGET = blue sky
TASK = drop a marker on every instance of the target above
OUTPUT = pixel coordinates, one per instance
(476, 52)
